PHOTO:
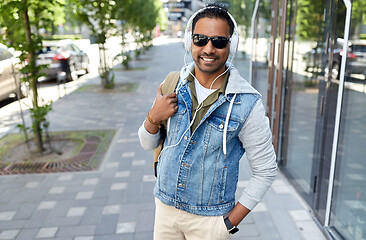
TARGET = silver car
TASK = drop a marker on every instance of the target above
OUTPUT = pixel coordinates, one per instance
(358, 65)
(9, 77)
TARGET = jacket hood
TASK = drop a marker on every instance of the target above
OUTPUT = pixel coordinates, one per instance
(236, 83)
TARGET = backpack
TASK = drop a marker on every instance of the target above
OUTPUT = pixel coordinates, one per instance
(168, 86)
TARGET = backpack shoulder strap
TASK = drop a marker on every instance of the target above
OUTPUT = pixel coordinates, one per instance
(170, 82)
(169, 86)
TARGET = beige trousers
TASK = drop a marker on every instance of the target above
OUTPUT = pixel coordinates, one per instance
(175, 224)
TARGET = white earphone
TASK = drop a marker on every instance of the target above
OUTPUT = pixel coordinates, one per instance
(188, 33)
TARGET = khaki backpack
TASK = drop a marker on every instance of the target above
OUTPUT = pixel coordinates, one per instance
(169, 86)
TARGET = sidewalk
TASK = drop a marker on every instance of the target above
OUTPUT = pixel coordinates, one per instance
(116, 201)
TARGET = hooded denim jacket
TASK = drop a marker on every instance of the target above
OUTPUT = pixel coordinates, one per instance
(198, 172)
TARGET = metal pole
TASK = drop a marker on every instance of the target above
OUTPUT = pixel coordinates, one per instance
(254, 16)
(20, 106)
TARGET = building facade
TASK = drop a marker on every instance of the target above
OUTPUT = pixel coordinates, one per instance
(308, 59)
(313, 76)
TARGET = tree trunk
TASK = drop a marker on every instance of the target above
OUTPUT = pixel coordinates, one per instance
(33, 77)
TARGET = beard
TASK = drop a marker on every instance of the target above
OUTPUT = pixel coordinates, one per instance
(207, 66)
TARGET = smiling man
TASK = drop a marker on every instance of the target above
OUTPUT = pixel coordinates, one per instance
(214, 117)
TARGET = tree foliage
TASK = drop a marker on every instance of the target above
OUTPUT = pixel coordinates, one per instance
(310, 23)
(242, 12)
(358, 12)
(21, 21)
(138, 16)
(310, 18)
(358, 16)
(98, 15)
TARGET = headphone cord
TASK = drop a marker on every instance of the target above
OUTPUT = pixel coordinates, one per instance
(199, 105)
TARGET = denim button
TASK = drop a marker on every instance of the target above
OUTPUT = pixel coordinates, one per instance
(185, 138)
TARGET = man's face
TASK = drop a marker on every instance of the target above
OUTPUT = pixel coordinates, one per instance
(209, 59)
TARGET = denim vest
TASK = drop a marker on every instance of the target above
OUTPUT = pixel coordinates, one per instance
(194, 175)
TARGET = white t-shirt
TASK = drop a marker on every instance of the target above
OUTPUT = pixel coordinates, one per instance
(202, 92)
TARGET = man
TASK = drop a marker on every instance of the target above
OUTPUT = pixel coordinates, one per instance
(214, 116)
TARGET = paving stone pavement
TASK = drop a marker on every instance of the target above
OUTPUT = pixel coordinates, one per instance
(116, 201)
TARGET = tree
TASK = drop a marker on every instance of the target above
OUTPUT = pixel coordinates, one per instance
(21, 21)
(139, 17)
(310, 24)
(99, 16)
(242, 12)
(358, 17)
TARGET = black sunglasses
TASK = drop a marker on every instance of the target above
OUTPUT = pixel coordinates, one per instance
(218, 41)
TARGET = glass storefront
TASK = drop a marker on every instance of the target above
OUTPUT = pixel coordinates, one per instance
(348, 211)
(304, 75)
(313, 102)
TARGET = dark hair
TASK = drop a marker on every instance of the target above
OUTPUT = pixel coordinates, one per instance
(214, 10)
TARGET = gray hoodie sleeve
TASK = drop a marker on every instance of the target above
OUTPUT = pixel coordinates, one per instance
(148, 141)
(256, 138)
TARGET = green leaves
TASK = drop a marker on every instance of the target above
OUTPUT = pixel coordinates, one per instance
(21, 21)
(242, 13)
(310, 17)
(139, 14)
(38, 115)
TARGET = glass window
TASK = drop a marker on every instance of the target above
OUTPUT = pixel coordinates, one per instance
(305, 76)
(75, 48)
(4, 54)
(348, 211)
(69, 48)
(47, 49)
(261, 48)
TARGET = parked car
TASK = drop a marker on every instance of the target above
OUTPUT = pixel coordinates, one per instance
(337, 59)
(358, 65)
(9, 77)
(63, 58)
(313, 59)
(316, 59)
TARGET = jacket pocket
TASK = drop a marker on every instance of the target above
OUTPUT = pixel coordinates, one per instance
(215, 131)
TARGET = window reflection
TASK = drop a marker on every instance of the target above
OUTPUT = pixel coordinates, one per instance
(307, 73)
(261, 48)
(348, 213)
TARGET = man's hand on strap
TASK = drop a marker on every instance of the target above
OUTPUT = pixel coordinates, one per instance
(164, 107)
